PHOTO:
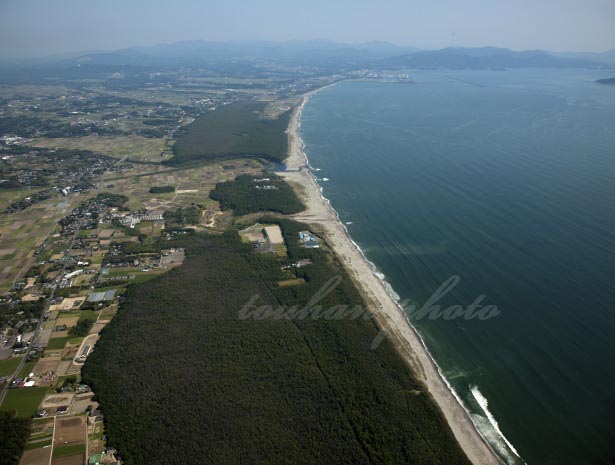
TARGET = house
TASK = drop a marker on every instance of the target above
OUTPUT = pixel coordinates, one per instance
(303, 262)
(101, 296)
(308, 240)
(72, 274)
(62, 409)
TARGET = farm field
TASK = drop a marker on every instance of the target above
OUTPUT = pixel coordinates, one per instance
(8, 196)
(24, 401)
(22, 232)
(9, 365)
(132, 147)
(192, 185)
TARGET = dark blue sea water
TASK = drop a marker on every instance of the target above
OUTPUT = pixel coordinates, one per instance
(507, 180)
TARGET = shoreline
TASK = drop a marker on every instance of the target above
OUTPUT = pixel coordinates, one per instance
(387, 311)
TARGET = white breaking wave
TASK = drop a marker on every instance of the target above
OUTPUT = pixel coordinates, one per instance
(492, 422)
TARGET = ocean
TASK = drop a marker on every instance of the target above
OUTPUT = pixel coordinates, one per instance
(501, 184)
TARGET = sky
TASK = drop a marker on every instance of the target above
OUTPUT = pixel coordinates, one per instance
(34, 28)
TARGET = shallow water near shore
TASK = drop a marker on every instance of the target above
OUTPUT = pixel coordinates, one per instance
(506, 179)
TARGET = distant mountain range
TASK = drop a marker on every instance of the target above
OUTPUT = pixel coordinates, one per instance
(320, 53)
(492, 57)
(607, 81)
(195, 53)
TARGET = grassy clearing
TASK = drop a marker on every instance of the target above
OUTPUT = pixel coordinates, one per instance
(56, 343)
(8, 366)
(88, 315)
(38, 444)
(75, 340)
(291, 282)
(65, 451)
(24, 401)
(26, 369)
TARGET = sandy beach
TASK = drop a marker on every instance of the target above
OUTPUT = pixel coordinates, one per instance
(388, 313)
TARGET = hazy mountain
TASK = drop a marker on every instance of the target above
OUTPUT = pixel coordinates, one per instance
(190, 53)
(607, 57)
(322, 53)
(484, 58)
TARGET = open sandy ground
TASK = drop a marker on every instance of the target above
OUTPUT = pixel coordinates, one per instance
(388, 313)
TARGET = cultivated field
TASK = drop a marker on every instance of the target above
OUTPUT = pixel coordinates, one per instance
(22, 232)
(192, 185)
(132, 147)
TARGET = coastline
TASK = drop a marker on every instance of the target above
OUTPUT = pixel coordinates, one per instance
(388, 313)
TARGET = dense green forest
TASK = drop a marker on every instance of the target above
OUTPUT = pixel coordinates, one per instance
(249, 194)
(14, 434)
(232, 131)
(182, 378)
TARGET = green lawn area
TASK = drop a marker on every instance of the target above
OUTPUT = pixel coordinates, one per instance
(8, 366)
(65, 451)
(88, 315)
(142, 278)
(37, 444)
(75, 340)
(56, 343)
(24, 401)
(69, 314)
(124, 272)
(26, 369)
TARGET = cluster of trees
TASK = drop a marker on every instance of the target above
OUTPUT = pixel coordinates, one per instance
(233, 131)
(14, 433)
(182, 216)
(82, 328)
(249, 194)
(186, 375)
(112, 200)
(161, 189)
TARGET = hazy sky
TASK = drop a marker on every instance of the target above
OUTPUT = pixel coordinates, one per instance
(42, 27)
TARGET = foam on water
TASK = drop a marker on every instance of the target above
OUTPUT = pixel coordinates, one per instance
(490, 429)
